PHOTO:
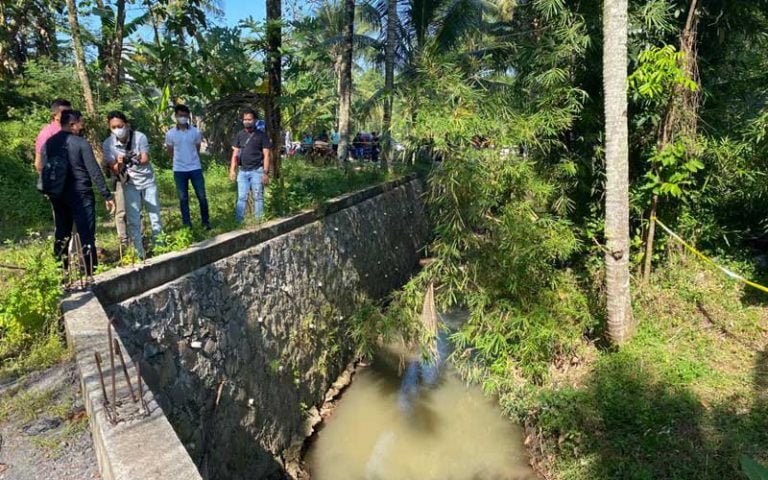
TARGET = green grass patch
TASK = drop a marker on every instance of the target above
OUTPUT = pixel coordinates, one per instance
(685, 399)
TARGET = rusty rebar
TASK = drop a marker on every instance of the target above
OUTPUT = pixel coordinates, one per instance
(112, 363)
(125, 369)
(101, 378)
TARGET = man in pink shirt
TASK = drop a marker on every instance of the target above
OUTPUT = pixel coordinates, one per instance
(59, 105)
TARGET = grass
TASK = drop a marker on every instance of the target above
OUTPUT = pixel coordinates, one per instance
(24, 406)
(683, 400)
(29, 285)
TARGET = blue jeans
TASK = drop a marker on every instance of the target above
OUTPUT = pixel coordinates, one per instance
(134, 198)
(182, 180)
(250, 180)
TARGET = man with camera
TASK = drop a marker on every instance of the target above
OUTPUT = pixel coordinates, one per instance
(126, 152)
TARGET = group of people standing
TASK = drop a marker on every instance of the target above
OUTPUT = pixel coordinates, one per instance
(364, 146)
(131, 176)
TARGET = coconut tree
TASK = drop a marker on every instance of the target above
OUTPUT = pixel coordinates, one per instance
(345, 82)
(616, 171)
(274, 74)
(77, 46)
(389, 78)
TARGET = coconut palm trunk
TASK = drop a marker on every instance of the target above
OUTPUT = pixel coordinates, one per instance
(345, 100)
(274, 68)
(389, 81)
(620, 324)
(77, 46)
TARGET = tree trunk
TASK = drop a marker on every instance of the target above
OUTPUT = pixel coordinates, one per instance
(648, 256)
(345, 100)
(77, 46)
(155, 26)
(389, 82)
(114, 47)
(274, 67)
(680, 118)
(619, 306)
(82, 72)
(337, 70)
(274, 72)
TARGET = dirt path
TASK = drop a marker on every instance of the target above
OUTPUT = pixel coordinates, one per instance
(44, 430)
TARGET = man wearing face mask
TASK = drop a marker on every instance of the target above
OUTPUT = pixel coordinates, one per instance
(117, 187)
(76, 203)
(250, 152)
(126, 152)
(183, 144)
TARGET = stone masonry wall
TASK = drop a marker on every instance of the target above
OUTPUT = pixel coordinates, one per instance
(237, 352)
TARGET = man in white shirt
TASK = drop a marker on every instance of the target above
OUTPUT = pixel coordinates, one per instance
(183, 143)
(126, 152)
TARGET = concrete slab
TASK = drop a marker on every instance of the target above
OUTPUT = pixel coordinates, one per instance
(140, 446)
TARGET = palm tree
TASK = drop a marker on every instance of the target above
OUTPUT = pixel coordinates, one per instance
(617, 171)
(77, 46)
(389, 79)
(421, 29)
(345, 84)
(274, 69)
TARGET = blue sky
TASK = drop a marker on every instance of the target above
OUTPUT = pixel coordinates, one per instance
(236, 10)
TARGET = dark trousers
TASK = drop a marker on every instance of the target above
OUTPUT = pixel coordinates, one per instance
(80, 208)
(182, 180)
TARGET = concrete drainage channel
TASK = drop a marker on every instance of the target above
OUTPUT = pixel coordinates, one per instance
(241, 339)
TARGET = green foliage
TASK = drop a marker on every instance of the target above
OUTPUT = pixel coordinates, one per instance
(174, 241)
(499, 244)
(684, 399)
(29, 303)
(753, 470)
(672, 171)
(659, 71)
(22, 207)
(306, 186)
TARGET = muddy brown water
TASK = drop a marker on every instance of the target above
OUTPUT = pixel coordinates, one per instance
(385, 429)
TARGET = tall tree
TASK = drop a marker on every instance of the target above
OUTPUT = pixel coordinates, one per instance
(77, 46)
(345, 87)
(111, 44)
(619, 306)
(27, 31)
(274, 69)
(389, 79)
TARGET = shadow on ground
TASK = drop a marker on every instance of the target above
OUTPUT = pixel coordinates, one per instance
(628, 422)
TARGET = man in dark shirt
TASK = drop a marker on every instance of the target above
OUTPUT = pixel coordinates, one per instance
(76, 203)
(250, 152)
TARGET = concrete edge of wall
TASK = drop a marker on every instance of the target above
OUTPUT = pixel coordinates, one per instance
(123, 283)
(141, 446)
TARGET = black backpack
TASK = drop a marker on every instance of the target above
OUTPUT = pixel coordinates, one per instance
(53, 178)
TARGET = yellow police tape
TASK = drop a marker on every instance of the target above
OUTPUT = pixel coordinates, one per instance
(708, 260)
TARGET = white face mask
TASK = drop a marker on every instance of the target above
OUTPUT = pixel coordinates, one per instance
(120, 132)
(182, 120)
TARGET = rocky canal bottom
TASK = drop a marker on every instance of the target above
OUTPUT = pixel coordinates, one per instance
(414, 425)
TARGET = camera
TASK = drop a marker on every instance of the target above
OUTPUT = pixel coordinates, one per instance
(131, 159)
